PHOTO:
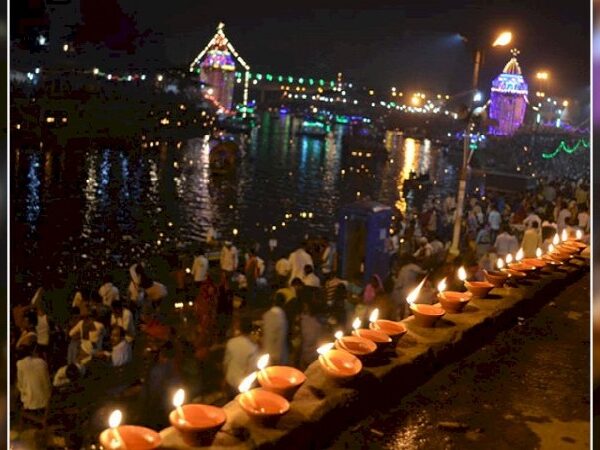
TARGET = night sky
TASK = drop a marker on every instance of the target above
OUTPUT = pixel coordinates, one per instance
(408, 44)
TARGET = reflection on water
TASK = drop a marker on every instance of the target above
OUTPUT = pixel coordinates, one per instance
(127, 203)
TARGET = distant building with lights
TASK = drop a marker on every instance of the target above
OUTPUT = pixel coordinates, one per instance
(216, 65)
(508, 99)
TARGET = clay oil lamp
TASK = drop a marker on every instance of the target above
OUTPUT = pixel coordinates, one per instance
(356, 345)
(536, 262)
(128, 437)
(393, 329)
(261, 405)
(425, 315)
(453, 302)
(519, 266)
(338, 364)
(558, 251)
(282, 380)
(197, 424)
(380, 339)
(477, 288)
(515, 274)
(497, 277)
(551, 258)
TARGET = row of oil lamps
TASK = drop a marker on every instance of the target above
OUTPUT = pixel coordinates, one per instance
(197, 424)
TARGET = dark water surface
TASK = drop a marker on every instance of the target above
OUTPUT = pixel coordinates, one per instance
(92, 210)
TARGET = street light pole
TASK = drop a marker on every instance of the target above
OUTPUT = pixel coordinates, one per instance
(502, 40)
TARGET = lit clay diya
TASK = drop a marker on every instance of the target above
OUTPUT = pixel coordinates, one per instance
(263, 406)
(512, 273)
(130, 437)
(340, 364)
(282, 380)
(479, 288)
(577, 244)
(426, 315)
(551, 260)
(496, 277)
(521, 267)
(454, 302)
(393, 329)
(535, 262)
(378, 337)
(200, 424)
(356, 345)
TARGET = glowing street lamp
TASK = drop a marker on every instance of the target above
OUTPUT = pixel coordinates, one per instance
(503, 39)
(542, 75)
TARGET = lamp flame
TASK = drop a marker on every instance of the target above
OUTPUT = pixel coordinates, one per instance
(339, 334)
(247, 382)
(441, 287)
(374, 315)
(555, 240)
(519, 255)
(538, 253)
(550, 248)
(462, 273)
(579, 235)
(263, 361)
(509, 258)
(178, 398)
(323, 349)
(115, 418)
(564, 235)
(412, 296)
(356, 323)
(500, 264)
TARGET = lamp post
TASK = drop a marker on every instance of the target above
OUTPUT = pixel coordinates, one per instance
(503, 39)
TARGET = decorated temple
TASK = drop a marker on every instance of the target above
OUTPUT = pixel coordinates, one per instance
(216, 65)
(508, 99)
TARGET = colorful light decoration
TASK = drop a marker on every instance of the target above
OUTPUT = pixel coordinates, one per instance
(508, 98)
(563, 147)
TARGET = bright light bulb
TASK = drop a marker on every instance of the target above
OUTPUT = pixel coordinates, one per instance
(503, 39)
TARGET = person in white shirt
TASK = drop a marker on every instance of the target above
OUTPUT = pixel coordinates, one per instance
(229, 259)
(532, 240)
(532, 217)
(122, 317)
(28, 335)
(495, 220)
(33, 380)
(43, 327)
(562, 218)
(298, 260)
(108, 291)
(328, 258)
(120, 354)
(90, 334)
(200, 267)
(275, 332)
(68, 374)
(506, 243)
(310, 279)
(241, 354)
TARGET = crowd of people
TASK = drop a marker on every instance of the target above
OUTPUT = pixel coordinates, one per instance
(121, 341)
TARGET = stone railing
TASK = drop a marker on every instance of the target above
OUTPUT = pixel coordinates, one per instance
(322, 406)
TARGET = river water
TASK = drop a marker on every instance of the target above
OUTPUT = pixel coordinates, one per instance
(99, 209)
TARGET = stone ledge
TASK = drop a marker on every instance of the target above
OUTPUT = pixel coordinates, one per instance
(322, 406)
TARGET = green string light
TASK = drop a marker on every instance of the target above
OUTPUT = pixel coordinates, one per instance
(563, 147)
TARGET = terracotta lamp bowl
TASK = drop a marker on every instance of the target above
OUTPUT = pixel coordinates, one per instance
(535, 262)
(263, 406)
(378, 337)
(426, 315)
(479, 288)
(552, 260)
(393, 329)
(340, 364)
(496, 277)
(201, 424)
(515, 273)
(282, 380)
(134, 438)
(522, 267)
(578, 244)
(571, 246)
(356, 345)
(454, 302)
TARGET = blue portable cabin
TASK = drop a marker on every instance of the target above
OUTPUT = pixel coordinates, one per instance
(363, 233)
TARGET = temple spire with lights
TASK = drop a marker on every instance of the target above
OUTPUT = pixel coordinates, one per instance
(216, 66)
(508, 98)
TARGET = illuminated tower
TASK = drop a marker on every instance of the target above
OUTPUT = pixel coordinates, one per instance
(216, 65)
(508, 98)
